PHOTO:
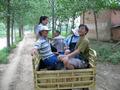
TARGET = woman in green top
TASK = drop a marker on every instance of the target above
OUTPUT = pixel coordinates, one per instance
(82, 49)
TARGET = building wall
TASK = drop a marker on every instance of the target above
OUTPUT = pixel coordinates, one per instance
(103, 23)
(115, 17)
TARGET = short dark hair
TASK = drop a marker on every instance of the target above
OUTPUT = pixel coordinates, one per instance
(42, 18)
(83, 25)
(57, 31)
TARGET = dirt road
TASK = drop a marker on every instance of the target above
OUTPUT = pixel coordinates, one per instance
(17, 75)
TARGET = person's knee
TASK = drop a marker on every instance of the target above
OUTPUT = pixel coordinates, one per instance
(70, 66)
(67, 52)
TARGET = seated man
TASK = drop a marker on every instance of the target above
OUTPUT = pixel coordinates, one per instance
(82, 49)
(49, 59)
(58, 42)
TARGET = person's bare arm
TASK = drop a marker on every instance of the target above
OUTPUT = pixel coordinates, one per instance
(74, 53)
(66, 58)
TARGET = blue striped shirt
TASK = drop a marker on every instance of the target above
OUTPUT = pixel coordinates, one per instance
(44, 48)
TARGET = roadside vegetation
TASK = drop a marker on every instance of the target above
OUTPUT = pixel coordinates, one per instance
(4, 53)
(106, 52)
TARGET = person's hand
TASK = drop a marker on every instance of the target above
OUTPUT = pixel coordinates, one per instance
(34, 51)
(67, 52)
(65, 59)
(60, 57)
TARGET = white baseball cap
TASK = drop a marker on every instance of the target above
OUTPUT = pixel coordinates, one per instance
(75, 31)
(44, 28)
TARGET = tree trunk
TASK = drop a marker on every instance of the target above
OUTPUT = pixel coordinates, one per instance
(15, 34)
(73, 21)
(55, 23)
(83, 17)
(96, 28)
(8, 23)
(53, 17)
(66, 29)
(60, 27)
(21, 31)
(12, 25)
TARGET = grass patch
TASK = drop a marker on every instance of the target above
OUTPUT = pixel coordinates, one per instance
(4, 53)
(105, 51)
(18, 40)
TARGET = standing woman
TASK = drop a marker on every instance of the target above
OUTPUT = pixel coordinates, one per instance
(43, 21)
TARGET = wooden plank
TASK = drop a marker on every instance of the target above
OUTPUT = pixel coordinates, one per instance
(65, 77)
(75, 82)
(61, 88)
(64, 71)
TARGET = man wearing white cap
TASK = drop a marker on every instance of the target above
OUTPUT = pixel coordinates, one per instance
(70, 41)
(43, 47)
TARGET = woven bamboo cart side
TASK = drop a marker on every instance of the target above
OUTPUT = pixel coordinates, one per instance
(66, 79)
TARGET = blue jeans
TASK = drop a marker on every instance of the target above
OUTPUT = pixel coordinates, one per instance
(61, 53)
(51, 61)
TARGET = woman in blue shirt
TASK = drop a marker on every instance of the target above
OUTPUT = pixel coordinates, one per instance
(70, 41)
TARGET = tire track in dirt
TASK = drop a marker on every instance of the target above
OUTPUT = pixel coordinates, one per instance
(108, 76)
(18, 75)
